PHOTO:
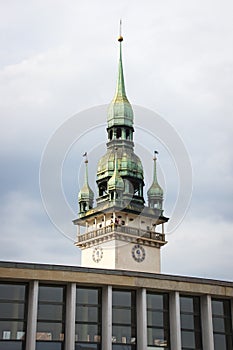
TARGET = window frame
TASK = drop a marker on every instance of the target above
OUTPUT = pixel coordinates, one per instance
(23, 320)
(166, 316)
(132, 325)
(99, 316)
(197, 326)
(62, 321)
(227, 317)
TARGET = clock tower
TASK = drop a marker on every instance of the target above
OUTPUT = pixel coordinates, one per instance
(120, 231)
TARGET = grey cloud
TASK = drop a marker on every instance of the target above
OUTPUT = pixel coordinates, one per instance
(177, 61)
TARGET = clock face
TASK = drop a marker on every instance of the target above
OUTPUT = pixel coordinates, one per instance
(138, 253)
(97, 254)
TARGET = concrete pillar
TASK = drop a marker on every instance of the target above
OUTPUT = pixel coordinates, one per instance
(107, 318)
(207, 323)
(141, 319)
(175, 332)
(70, 316)
(32, 315)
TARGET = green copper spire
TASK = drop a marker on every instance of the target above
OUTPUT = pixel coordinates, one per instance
(120, 111)
(155, 192)
(126, 182)
(86, 195)
(120, 90)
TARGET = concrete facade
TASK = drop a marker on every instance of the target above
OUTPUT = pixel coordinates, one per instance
(107, 280)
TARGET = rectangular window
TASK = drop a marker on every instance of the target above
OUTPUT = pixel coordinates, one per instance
(88, 319)
(123, 320)
(13, 316)
(222, 324)
(157, 321)
(50, 317)
(190, 323)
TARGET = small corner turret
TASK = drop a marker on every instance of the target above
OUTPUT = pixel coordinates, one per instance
(155, 192)
(86, 195)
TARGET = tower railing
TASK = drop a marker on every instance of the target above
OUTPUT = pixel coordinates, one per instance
(121, 229)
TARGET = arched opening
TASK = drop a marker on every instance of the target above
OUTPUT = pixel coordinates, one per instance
(118, 133)
(110, 135)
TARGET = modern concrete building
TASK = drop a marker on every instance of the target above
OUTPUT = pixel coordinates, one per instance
(46, 307)
(118, 299)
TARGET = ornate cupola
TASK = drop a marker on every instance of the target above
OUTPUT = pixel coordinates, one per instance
(121, 232)
(155, 192)
(86, 195)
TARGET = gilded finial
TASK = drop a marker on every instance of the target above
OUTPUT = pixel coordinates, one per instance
(120, 37)
(155, 152)
(85, 156)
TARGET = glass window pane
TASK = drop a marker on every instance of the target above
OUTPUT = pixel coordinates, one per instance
(187, 321)
(87, 313)
(12, 292)
(121, 316)
(121, 298)
(123, 334)
(218, 324)
(50, 312)
(188, 339)
(123, 347)
(87, 332)
(53, 294)
(12, 330)
(10, 345)
(155, 301)
(87, 296)
(48, 346)
(217, 307)
(186, 304)
(157, 337)
(220, 341)
(155, 318)
(87, 346)
(49, 331)
(12, 310)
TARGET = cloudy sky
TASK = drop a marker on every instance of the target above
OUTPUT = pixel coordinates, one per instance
(58, 59)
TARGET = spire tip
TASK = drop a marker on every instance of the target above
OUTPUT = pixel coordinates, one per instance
(120, 37)
(85, 156)
(155, 153)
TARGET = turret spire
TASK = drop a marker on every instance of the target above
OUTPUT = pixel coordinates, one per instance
(120, 91)
(86, 195)
(155, 192)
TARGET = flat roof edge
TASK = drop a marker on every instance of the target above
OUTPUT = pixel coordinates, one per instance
(68, 268)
